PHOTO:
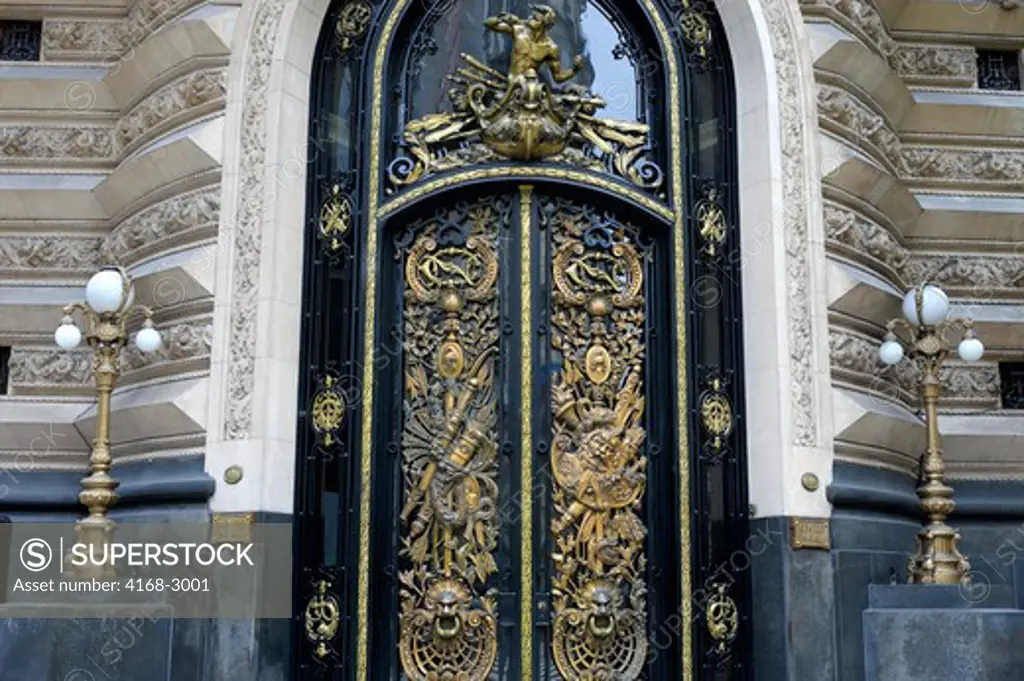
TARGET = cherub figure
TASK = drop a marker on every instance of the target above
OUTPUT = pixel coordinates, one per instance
(532, 47)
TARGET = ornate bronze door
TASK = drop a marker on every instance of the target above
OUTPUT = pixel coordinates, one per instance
(519, 447)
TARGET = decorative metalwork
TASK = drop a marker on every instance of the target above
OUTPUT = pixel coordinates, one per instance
(450, 465)
(696, 28)
(716, 415)
(723, 619)
(353, 21)
(518, 116)
(999, 70)
(329, 408)
(322, 617)
(711, 224)
(1011, 381)
(937, 558)
(20, 40)
(599, 470)
(336, 217)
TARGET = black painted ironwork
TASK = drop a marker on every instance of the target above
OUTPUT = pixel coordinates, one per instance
(328, 493)
(999, 70)
(20, 40)
(5, 368)
(1011, 379)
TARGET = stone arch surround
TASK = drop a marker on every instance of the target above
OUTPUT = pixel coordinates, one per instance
(255, 354)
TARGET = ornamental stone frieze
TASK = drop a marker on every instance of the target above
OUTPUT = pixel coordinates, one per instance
(177, 221)
(72, 144)
(919, 64)
(951, 165)
(974, 276)
(107, 39)
(847, 115)
(34, 368)
(858, 236)
(52, 252)
(855, 362)
(175, 101)
(943, 65)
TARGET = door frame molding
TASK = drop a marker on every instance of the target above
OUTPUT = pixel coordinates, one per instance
(252, 404)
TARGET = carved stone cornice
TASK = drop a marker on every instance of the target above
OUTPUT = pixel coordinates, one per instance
(865, 240)
(188, 95)
(850, 117)
(102, 40)
(45, 254)
(70, 144)
(916, 63)
(978, 277)
(855, 362)
(862, 19)
(193, 215)
(37, 368)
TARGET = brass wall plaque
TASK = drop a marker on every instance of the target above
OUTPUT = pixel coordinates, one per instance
(809, 533)
(232, 528)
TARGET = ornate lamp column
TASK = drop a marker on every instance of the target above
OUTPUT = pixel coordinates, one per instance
(937, 559)
(109, 305)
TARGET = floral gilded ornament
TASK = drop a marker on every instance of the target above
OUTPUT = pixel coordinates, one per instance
(518, 116)
(598, 591)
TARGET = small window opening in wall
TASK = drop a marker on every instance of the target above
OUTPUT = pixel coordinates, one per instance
(999, 69)
(20, 40)
(1011, 377)
(5, 363)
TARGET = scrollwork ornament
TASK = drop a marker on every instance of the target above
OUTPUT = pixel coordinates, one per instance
(722, 619)
(711, 223)
(353, 22)
(337, 216)
(322, 618)
(696, 29)
(329, 407)
(716, 415)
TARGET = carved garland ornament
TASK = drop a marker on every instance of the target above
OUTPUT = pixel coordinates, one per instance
(516, 115)
(598, 316)
(448, 625)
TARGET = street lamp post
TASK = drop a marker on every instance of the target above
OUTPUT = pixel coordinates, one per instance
(937, 559)
(109, 304)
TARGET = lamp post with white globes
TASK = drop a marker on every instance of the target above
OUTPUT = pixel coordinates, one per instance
(937, 559)
(109, 305)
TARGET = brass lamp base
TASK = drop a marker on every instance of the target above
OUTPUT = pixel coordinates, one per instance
(938, 559)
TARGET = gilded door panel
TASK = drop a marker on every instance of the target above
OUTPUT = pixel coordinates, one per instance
(598, 445)
(449, 442)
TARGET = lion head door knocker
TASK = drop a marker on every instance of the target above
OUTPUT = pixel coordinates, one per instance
(517, 115)
(448, 626)
(597, 453)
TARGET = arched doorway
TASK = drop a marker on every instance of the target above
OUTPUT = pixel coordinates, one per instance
(521, 449)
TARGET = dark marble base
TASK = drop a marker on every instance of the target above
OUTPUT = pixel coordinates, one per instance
(920, 596)
(965, 644)
(84, 646)
(89, 647)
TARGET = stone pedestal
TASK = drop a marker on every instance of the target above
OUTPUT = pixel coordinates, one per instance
(940, 633)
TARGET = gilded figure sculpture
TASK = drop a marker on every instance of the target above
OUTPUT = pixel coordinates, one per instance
(519, 115)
